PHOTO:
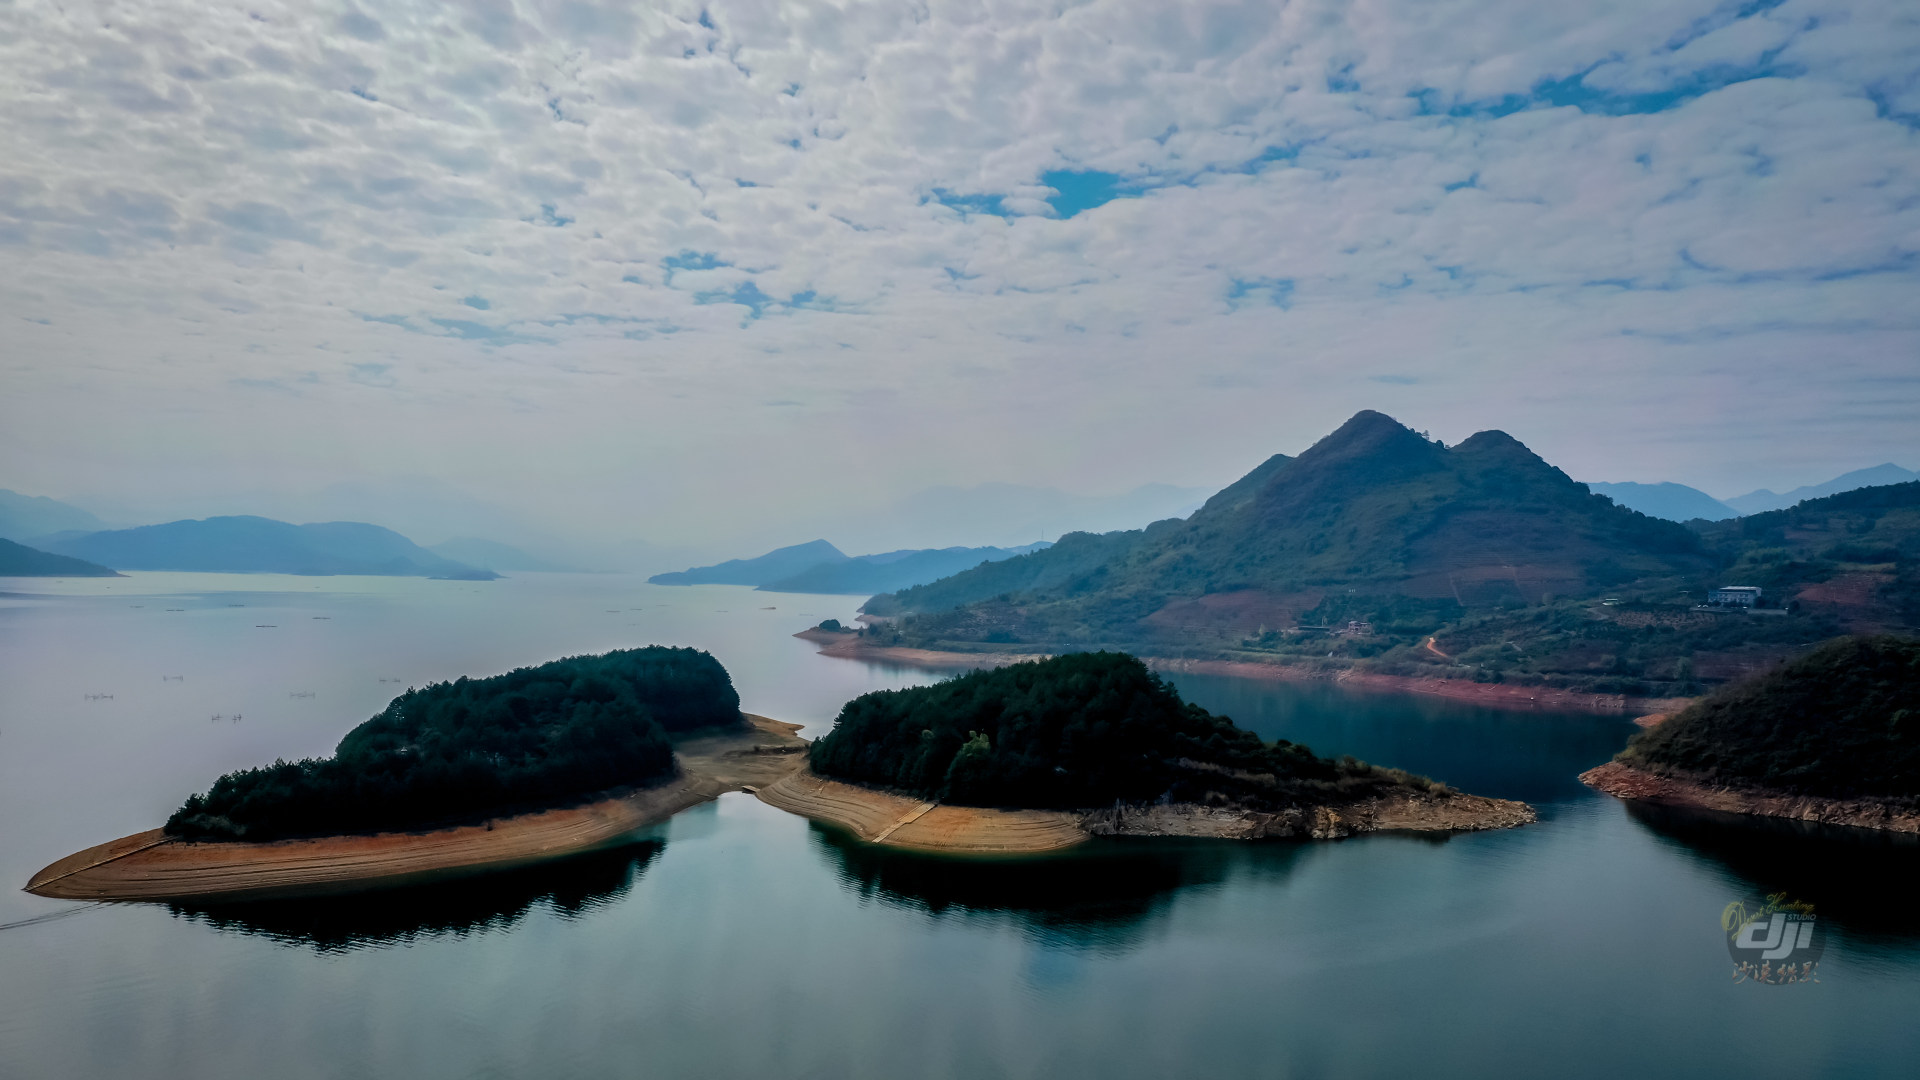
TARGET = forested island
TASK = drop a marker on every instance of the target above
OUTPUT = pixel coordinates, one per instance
(456, 777)
(1832, 736)
(1104, 746)
(534, 737)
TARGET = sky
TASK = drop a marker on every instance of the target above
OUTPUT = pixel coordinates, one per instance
(706, 274)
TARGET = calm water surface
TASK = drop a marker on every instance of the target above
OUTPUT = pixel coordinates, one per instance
(739, 941)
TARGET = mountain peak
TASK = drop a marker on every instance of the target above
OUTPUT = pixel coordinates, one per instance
(1369, 434)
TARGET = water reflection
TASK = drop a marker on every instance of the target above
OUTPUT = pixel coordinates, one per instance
(1106, 895)
(570, 888)
(1533, 756)
(1860, 878)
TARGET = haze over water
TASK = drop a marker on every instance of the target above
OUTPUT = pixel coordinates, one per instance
(737, 940)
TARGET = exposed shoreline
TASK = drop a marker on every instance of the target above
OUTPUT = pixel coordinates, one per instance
(849, 646)
(891, 820)
(152, 866)
(1626, 782)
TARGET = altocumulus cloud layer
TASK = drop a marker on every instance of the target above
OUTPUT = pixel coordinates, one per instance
(814, 252)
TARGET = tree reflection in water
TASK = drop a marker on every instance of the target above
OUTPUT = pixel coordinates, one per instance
(1105, 895)
(1857, 878)
(481, 904)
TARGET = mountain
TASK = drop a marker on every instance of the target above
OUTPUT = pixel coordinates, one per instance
(18, 560)
(774, 565)
(235, 545)
(1755, 502)
(887, 572)
(1372, 510)
(491, 555)
(24, 517)
(1674, 502)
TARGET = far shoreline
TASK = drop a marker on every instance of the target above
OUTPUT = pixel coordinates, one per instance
(846, 645)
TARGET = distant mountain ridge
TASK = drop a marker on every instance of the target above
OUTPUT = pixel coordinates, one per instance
(819, 567)
(19, 560)
(869, 574)
(774, 565)
(1761, 501)
(1674, 502)
(26, 517)
(1372, 508)
(262, 545)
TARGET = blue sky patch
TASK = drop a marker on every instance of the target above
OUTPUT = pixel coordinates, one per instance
(1277, 292)
(478, 303)
(746, 294)
(1080, 190)
(973, 204)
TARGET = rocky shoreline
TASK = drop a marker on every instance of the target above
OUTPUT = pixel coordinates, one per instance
(1626, 782)
(847, 645)
(893, 820)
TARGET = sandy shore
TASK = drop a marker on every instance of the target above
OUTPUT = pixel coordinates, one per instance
(1626, 782)
(151, 866)
(1494, 695)
(880, 817)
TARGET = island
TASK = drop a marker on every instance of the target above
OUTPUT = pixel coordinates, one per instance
(1831, 737)
(456, 778)
(1042, 755)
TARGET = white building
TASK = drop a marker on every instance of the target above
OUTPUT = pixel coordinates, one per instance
(1745, 596)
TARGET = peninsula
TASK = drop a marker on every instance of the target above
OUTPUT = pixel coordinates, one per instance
(1042, 755)
(456, 778)
(1832, 737)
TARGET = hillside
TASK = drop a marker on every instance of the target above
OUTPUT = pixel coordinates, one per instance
(1373, 510)
(1379, 550)
(1841, 722)
(18, 560)
(1855, 555)
(261, 545)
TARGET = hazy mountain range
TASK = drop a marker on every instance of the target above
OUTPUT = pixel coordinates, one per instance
(819, 567)
(1678, 502)
(262, 545)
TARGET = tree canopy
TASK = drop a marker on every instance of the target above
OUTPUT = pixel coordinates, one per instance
(536, 736)
(1077, 731)
(1842, 721)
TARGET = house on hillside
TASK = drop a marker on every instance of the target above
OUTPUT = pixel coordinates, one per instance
(1737, 596)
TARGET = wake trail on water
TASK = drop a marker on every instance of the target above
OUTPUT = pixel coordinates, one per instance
(50, 916)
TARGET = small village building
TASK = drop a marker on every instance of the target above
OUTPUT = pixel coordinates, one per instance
(1744, 596)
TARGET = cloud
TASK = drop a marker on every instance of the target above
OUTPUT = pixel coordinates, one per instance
(1533, 211)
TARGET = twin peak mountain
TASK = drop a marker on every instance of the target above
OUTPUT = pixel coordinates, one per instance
(1374, 508)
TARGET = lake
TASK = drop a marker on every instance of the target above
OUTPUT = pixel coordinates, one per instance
(737, 941)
